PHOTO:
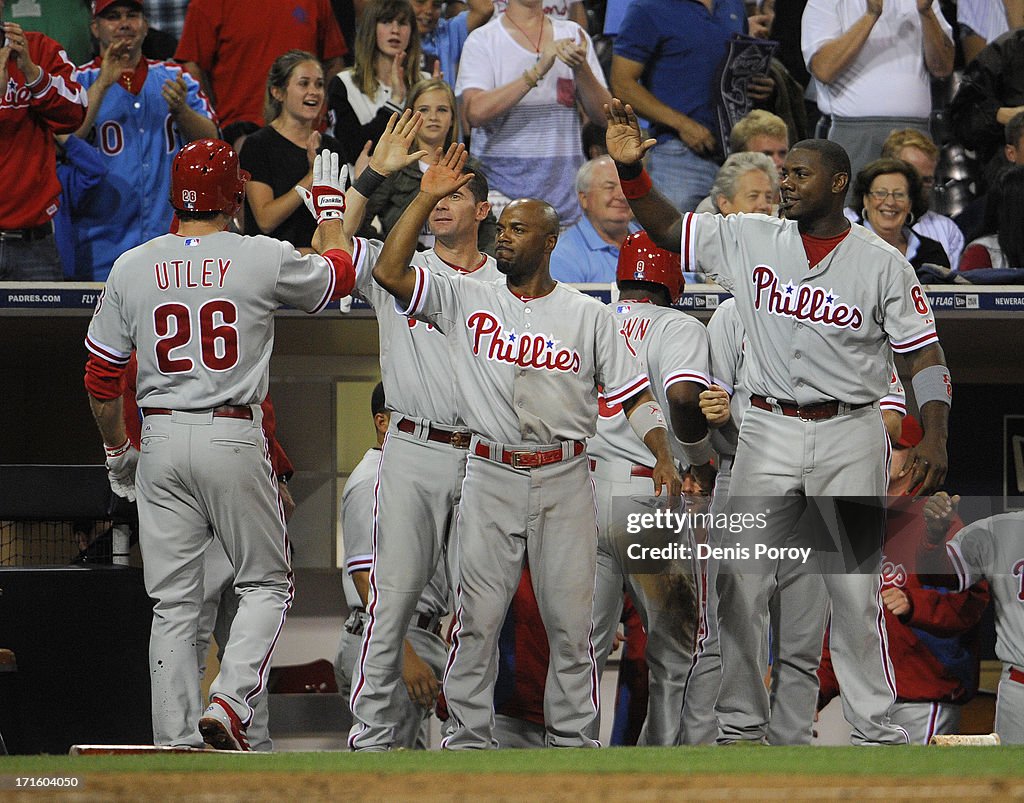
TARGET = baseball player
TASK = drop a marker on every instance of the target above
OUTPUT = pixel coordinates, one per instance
(140, 114)
(423, 650)
(798, 607)
(672, 348)
(198, 306)
(822, 302)
(423, 458)
(992, 548)
(220, 603)
(528, 355)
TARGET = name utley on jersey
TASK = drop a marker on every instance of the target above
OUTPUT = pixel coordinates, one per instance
(415, 357)
(671, 347)
(199, 311)
(528, 369)
(813, 334)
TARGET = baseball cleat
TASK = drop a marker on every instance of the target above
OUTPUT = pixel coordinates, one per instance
(221, 728)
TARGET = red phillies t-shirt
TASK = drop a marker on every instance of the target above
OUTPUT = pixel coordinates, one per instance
(235, 42)
(817, 248)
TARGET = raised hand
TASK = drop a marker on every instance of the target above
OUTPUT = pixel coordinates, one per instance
(328, 193)
(16, 46)
(312, 146)
(445, 176)
(398, 79)
(874, 7)
(571, 53)
(114, 63)
(175, 93)
(624, 141)
(392, 151)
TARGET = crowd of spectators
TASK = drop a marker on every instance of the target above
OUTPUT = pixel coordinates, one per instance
(103, 94)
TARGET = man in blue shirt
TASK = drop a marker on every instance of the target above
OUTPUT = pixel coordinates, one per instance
(140, 114)
(665, 57)
(588, 251)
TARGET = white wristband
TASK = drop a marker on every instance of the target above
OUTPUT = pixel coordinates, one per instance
(933, 384)
(698, 453)
(645, 417)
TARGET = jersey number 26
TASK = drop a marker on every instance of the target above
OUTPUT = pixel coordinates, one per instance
(218, 338)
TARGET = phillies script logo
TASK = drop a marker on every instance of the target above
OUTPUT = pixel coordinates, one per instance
(529, 349)
(893, 574)
(804, 302)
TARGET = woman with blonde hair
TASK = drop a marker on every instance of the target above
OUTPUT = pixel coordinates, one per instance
(280, 155)
(362, 98)
(435, 101)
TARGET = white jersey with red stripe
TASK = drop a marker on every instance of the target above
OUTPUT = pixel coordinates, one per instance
(993, 548)
(728, 353)
(199, 311)
(671, 347)
(528, 370)
(415, 358)
(812, 334)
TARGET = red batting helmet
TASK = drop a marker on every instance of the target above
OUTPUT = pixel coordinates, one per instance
(640, 260)
(205, 177)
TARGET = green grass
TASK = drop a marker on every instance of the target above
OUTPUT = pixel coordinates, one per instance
(909, 762)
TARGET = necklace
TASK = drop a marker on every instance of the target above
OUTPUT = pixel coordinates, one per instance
(540, 36)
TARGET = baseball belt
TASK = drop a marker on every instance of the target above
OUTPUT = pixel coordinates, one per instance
(40, 232)
(807, 412)
(1016, 675)
(530, 458)
(224, 411)
(635, 469)
(459, 438)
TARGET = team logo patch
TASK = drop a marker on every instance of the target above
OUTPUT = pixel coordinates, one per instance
(526, 349)
(804, 302)
(191, 242)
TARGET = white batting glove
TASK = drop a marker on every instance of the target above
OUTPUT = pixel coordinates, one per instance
(330, 177)
(121, 465)
(339, 184)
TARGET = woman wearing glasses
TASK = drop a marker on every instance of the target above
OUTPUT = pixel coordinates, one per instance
(887, 191)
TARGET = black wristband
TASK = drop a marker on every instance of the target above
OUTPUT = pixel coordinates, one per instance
(629, 172)
(368, 182)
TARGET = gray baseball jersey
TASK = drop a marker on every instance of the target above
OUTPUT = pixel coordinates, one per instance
(994, 548)
(414, 356)
(814, 334)
(528, 370)
(679, 354)
(199, 313)
(728, 355)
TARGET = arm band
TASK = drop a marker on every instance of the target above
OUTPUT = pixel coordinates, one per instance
(933, 384)
(117, 451)
(368, 182)
(699, 453)
(645, 417)
(629, 172)
(638, 187)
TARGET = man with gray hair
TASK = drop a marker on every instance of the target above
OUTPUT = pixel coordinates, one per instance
(588, 251)
(747, 182)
